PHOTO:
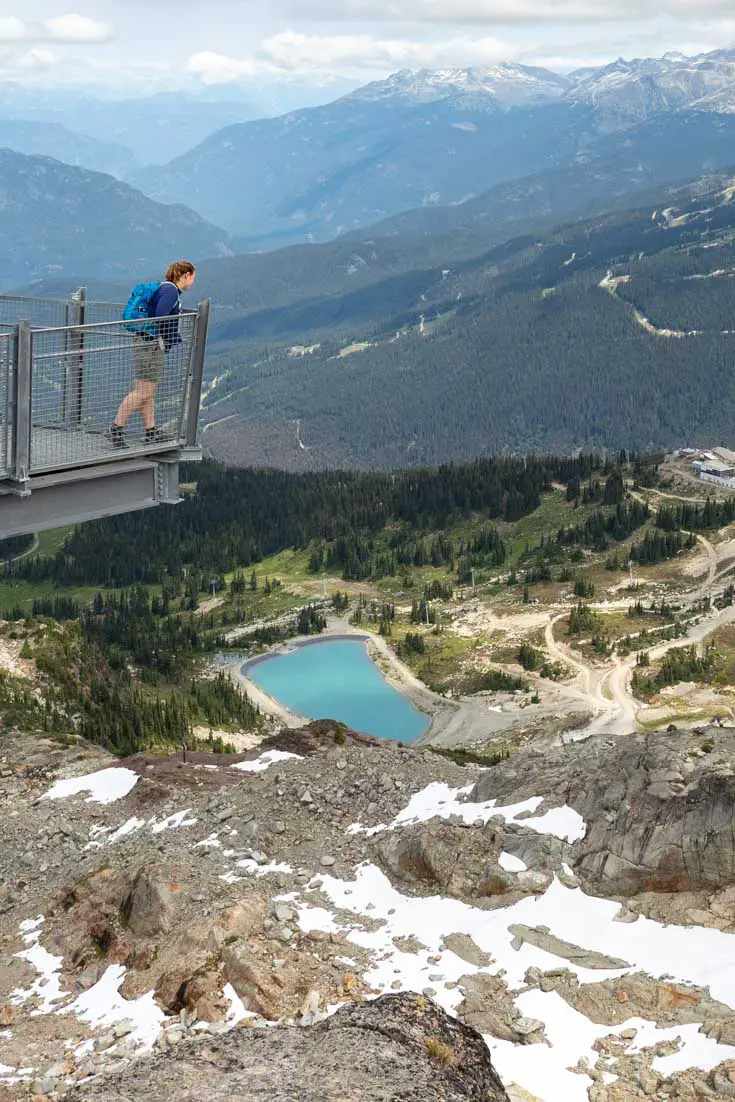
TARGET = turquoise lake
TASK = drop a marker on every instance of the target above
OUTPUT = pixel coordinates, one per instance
(336, 679)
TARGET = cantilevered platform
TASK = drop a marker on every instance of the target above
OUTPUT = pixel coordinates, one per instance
(64, 368)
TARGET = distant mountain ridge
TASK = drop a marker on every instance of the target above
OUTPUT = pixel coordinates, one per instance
(432, 139)
(628, 92)
(152, 128)
(50, 139)
(66, 222)
(507, 85)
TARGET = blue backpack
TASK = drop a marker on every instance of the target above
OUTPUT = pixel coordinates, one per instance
(136, 309)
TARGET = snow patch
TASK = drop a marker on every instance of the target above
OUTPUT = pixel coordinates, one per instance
(511, 864)
(543, 1070)
(47, 987)
(103, 1005)
(439, 801)
(374, 914)
(14, 1075)
(236, 1012)
(212, 842)
(252, 867)
(270, 757)
(127, 828)
(173, 822)
(105, 786)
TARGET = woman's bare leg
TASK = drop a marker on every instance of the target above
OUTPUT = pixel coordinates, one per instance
(147, 410)
(140, 398)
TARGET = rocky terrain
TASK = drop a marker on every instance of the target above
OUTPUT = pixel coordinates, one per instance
(422, 1052)
(333, 917)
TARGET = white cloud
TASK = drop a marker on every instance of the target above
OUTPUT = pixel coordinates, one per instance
(303, 52)
(212, 68)
(36, 60)
(305, 44)
(506, 11)
(69, 28)
(294, 53)
(12, 29)
(77, 28)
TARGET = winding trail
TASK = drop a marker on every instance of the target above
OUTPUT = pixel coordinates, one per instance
(23, 554)
(608, 691)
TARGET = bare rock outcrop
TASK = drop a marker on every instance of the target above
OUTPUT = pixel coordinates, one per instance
(659, 809)
(150, 906)
(463, 862)
(399, 1048)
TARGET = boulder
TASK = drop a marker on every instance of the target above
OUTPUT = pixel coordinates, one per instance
(397, 1047)
(425, 853)
(149, 907)
(170, 990)
(465, 947)
(91, 934)
(583, 958)
(495, 881)
(257, 985)
(488, 1007)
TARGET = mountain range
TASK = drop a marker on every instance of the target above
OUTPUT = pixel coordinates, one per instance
(610, 331)
(158, 126)
(448, 329)
(152, 129)
(52, 139)
(441, 138)
(66, 222)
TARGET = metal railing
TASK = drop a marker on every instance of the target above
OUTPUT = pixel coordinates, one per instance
(6, 359)
(37, 311)
(61, 384)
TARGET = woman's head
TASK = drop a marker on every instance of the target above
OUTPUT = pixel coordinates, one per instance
(182, 273)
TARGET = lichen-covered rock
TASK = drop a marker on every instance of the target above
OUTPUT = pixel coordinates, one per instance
(399, 1048)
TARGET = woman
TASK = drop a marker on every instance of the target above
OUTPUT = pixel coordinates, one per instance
(149, 351)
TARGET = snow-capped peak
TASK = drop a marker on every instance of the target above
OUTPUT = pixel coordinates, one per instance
(622, 93)
(506, 85)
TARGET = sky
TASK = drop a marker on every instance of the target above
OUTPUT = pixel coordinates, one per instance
(137, 46)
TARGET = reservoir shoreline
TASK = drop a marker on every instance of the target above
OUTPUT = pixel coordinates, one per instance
(451, 722)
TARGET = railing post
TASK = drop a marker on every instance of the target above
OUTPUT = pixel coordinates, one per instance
(22, 369)
(197, 372)
(72, 392)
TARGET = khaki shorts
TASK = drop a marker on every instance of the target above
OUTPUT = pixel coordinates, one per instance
(148, 360)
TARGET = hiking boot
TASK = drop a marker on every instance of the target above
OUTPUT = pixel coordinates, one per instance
(116, 436)
(156, 436)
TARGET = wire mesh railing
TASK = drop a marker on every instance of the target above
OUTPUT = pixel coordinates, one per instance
(95, 312)
(6, 361)
(82, 374)
(39, 312)
(66, 370)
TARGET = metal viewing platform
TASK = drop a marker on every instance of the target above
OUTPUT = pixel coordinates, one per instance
(65, 365)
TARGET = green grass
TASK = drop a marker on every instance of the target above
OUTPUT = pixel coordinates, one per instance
(21, 593)
(445, 654)
(288, 566)
(52, 541)
(553, 513)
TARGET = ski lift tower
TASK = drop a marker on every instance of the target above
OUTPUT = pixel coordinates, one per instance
(65, 365)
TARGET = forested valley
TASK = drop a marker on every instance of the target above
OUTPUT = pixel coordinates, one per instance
(515, 346)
